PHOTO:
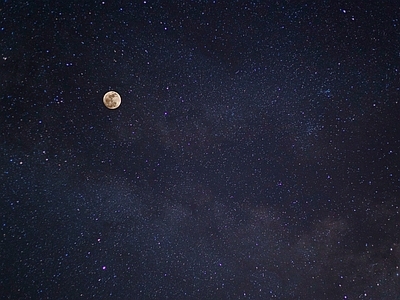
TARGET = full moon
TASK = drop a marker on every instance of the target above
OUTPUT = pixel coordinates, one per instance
(112, 100)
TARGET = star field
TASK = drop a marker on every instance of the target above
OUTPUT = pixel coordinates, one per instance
(255, 154)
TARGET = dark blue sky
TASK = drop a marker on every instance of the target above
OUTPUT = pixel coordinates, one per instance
(255, 154)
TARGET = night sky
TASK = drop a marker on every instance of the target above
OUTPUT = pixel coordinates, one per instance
(255, 154)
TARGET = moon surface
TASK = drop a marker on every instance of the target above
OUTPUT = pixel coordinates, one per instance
(112, 100)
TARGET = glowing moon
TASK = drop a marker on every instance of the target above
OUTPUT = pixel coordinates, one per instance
(112, 100)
